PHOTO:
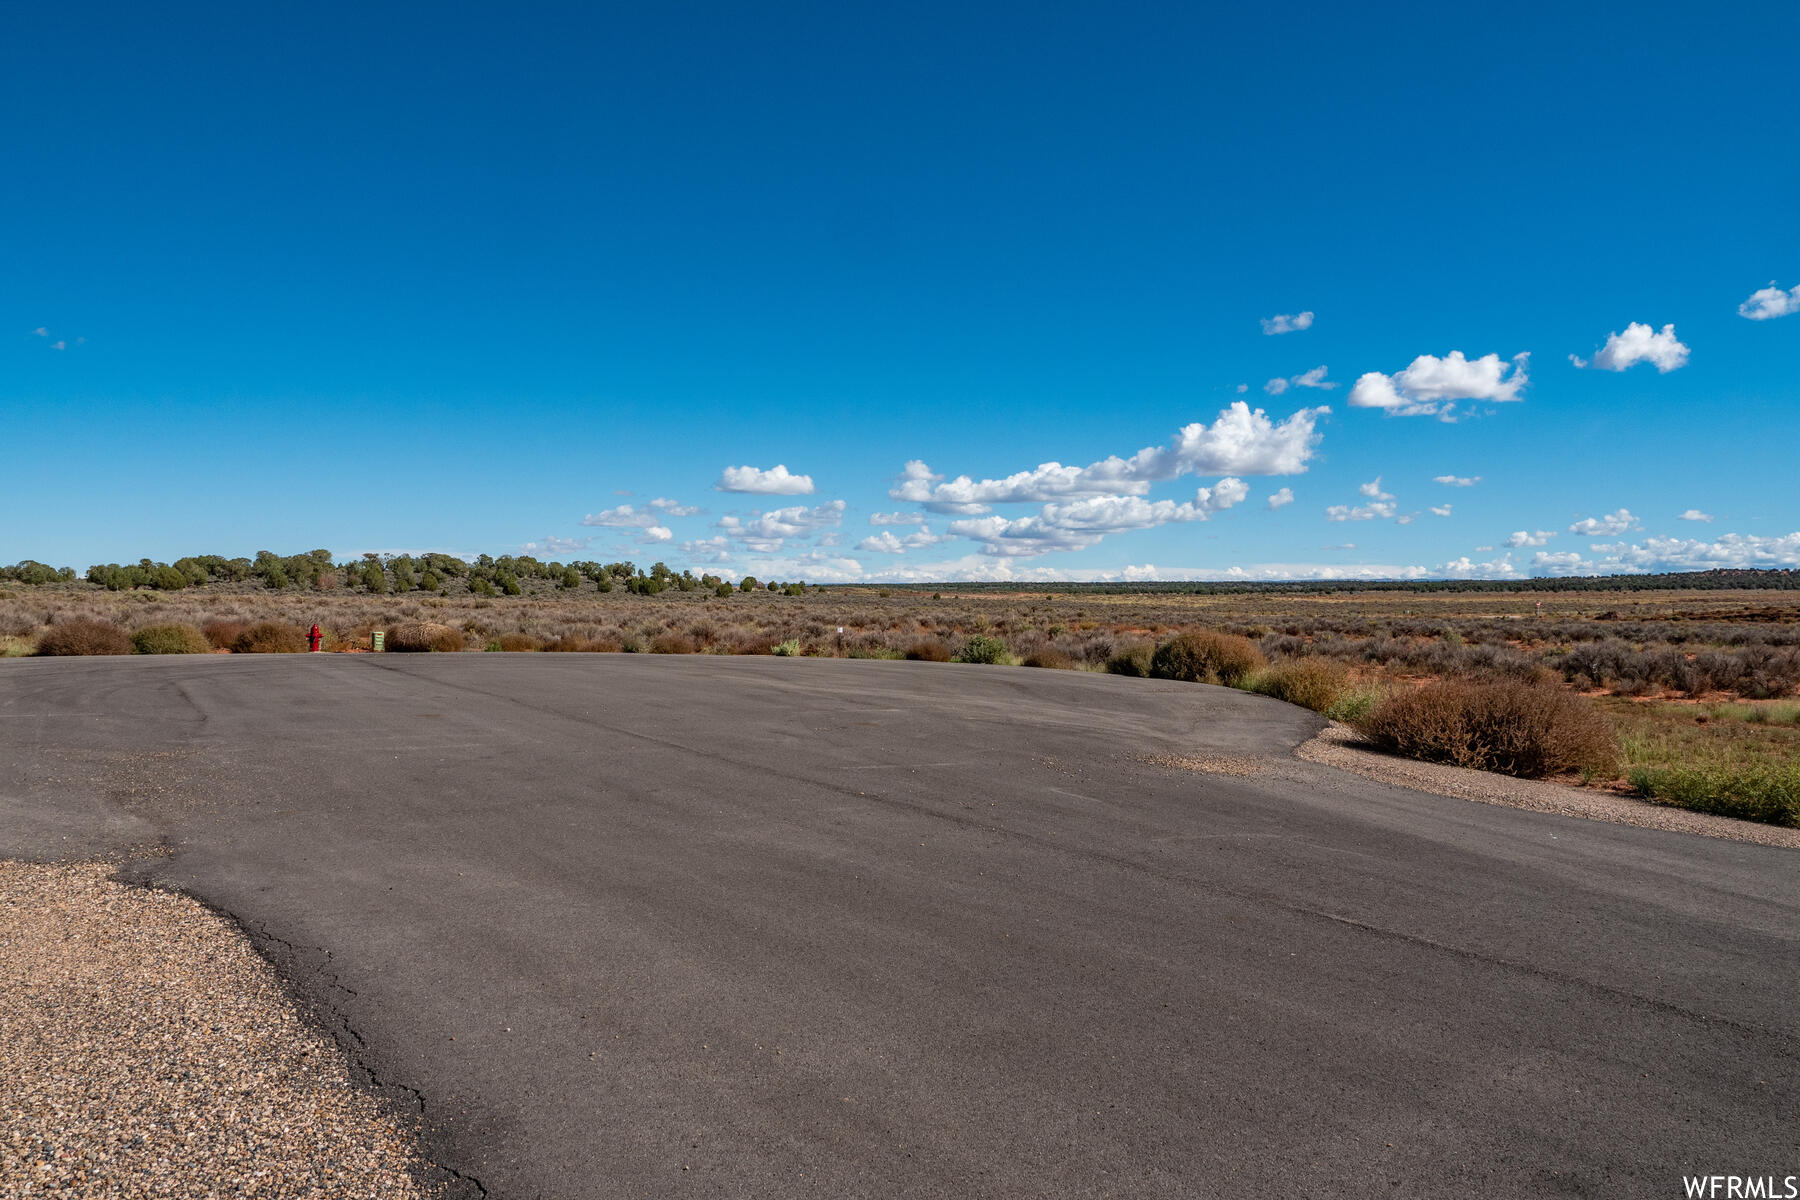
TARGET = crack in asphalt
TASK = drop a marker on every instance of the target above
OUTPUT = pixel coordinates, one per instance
(340, 1028)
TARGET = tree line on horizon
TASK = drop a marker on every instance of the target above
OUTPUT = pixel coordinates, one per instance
(508, 574)
(384, 574)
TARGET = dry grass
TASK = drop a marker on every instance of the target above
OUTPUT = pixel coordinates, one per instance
(83, 635)
(420, 637)
(1205, 656)
(1316, 683)
(270, 637)
(1531, 730)
(169, 639)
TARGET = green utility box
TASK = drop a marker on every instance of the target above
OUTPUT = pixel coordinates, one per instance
(376, 639)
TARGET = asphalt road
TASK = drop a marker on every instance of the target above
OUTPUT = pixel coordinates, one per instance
(700, 926)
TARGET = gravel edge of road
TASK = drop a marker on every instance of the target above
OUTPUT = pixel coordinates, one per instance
(1342, 747)
(147, 1048)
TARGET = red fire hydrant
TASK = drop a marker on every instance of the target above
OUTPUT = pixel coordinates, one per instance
(316, 638)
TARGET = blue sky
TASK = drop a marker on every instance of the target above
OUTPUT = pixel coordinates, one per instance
(473, 279)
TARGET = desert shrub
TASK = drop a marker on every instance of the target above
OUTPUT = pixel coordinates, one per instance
(419, 637)
(1768, 795)
(513, 643)
(673, 643)
(223, 634)
(1132, 659)
(569, 644)
(787, 649)
(1049, 657)
(756, 643)
(169, 639)
(982, 649)
(1203, 656)
(1525, 729)
(929, 650)
(84, 635)
(1315, 683)
(272, 637)
(1354, 705)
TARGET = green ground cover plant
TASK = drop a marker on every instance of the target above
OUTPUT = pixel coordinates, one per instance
(170, 639)
(1738, 760)
(984, 650)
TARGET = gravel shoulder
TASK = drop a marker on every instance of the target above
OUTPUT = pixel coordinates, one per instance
(146, 1050)
(1340, 746)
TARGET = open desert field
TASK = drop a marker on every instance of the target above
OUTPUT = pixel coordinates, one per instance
(1699, 689)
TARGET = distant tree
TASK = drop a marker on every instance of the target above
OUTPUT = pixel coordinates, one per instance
(374, 578)
(430, 581)
(723, 589)
(571, 579)
(748, 584)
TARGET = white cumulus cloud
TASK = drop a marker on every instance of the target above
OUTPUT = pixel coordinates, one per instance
(1607, 526)
(897, 518)
(1694, 514)
(1242, 441)
(1286, 323)
(1729, 551)
(655, 534)
(1639, 343)
(1456, 480)
(550, 544)
(1281, 499)
(625, 516)
(1314, 378)
(1380, 507)
(1526, 537)
(886, 543)
(1440, 510)
(776, 481)
(764, 532)
(1434, 386)
(708, 550)
(1079, 524)
(674, 508)
(1467, 568)
(1362, 512)
(1764, 304)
